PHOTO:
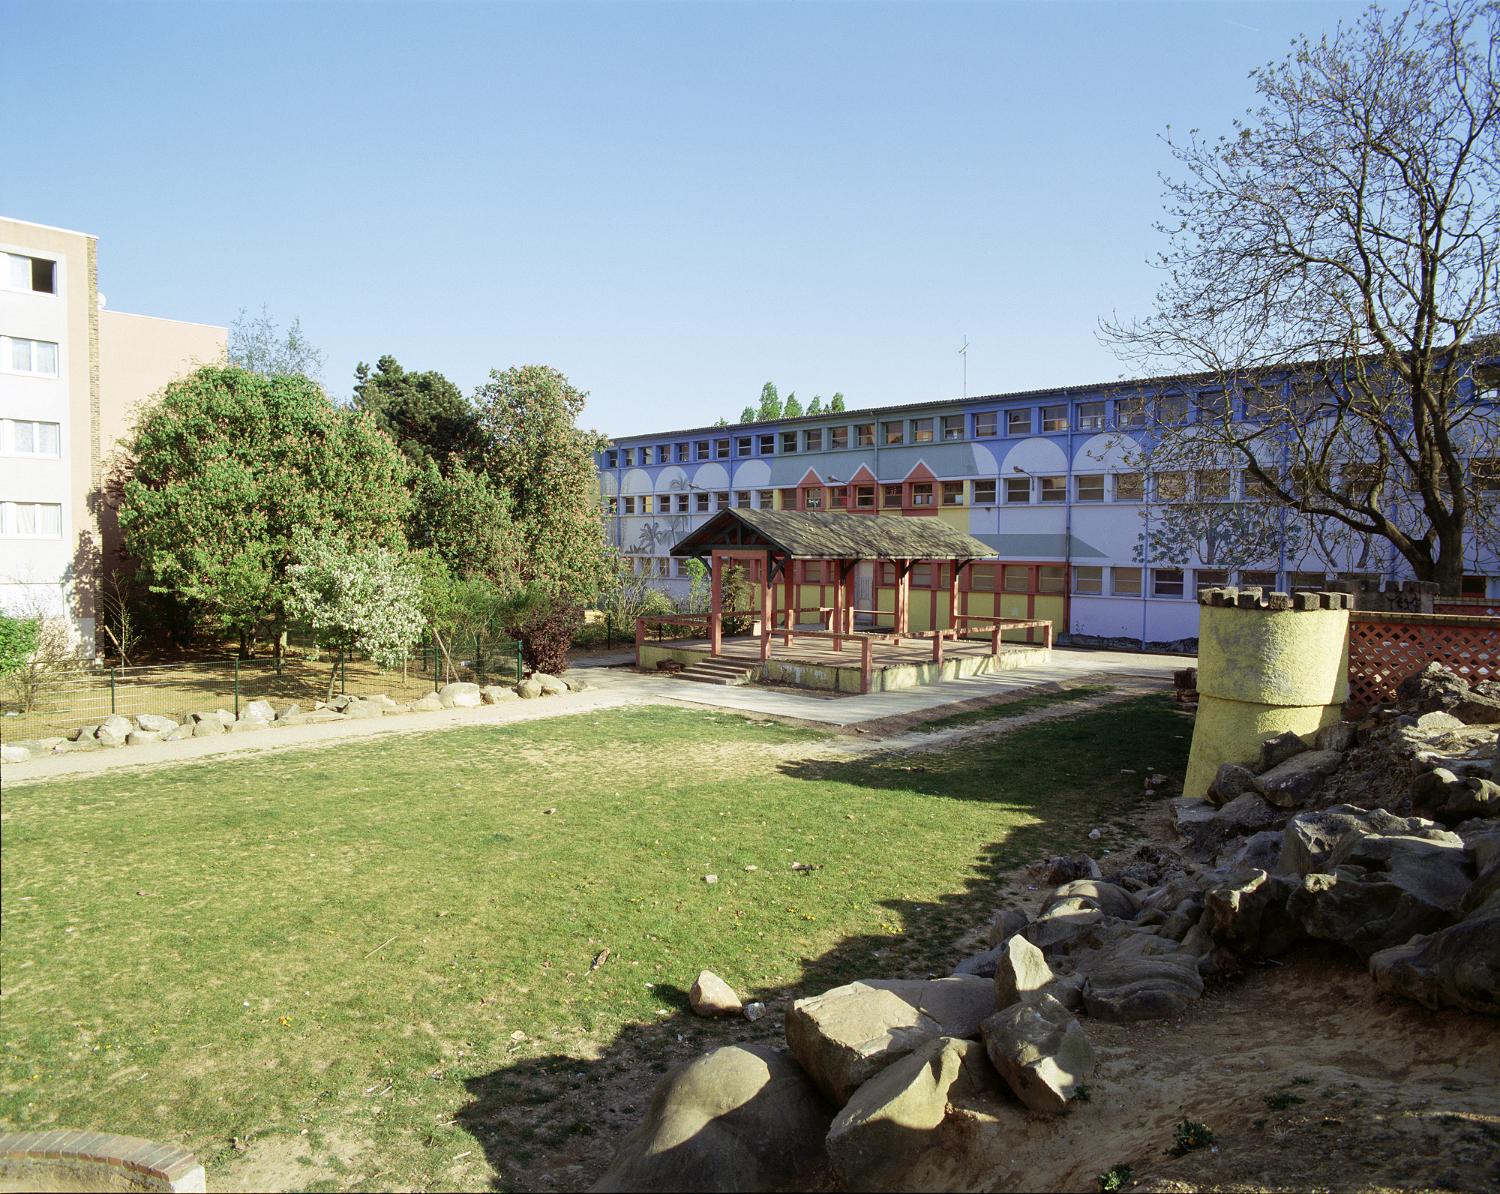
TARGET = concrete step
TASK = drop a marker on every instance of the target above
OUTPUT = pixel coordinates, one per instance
(708, 678)
(716, 671)
(723, 666)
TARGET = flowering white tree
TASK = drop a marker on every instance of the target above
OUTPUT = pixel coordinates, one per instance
(357, 600)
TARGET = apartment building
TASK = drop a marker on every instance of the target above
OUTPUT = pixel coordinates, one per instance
(72, 373)
(1051, 479)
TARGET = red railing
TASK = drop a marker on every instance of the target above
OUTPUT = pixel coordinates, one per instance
(1386, 648)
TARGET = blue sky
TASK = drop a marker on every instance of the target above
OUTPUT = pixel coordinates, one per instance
(671, 203)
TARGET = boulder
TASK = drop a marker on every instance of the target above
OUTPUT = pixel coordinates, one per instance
(1231, 781)
(1148, 987)
(1069, 867)
(1340, 736)
(845, 1036)
(1250, 917)
(1435, 687)
(1481, 706)
(1277, 750)
(981, 964)
(177, 735)
(1260, 851)
(113, 731)
(529, 689)
(576, 683)
(1064, 926)
(80, 745)
(309, 717)
(1109, 898)
(226, 718)
(84, 732)
(141, 737)
(897, 1117)
(1021, 972)
(1040, 1051)
(460, 695)
(363, 710)
(712, 996)
(248, 727)
(494, 694)
(155, 722)
(551, 685)
(742, 1117)
(1244, 815)
(1191, 813)
(1309, 838)
(258, 711)
(14, 754)
(1458, 966)
(1292, 783)
(430, 703)
(1007, 922)
(1451, 798)
(207, 726)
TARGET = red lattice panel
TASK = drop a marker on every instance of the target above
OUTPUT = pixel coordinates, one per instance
(1385, 649)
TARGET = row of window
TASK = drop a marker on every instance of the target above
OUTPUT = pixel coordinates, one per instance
(30, 520)
(19, 355)
(36, 274)
(24, 437)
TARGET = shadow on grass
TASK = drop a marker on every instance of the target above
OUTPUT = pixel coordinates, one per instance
(553, 1122)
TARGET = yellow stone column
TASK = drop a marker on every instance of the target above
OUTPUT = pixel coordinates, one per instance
(1266, 664)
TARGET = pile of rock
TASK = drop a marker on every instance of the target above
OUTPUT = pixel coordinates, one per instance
(142, 728)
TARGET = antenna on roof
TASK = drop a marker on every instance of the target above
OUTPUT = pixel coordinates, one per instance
(964, 352)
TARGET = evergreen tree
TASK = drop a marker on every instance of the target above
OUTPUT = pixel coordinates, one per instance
(747, 415)
(815, 407)
(425, 413)
(791, 408)
(836, 404)
(770, 403)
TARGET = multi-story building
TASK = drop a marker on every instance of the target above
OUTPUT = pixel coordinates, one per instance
(1051, 479)
(71, 375)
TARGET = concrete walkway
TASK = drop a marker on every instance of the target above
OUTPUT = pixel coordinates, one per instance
(613, 688)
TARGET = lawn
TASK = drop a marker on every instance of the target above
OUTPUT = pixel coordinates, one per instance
(370, 966)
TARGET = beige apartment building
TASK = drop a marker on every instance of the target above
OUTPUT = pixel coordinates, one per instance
(72, 375)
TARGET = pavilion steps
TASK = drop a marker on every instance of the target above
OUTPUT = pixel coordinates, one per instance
(717, 671)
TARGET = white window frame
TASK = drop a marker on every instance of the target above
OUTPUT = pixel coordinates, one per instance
(7, 344)
(10, 520)
(9, 439)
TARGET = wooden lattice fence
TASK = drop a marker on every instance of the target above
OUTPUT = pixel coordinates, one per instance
(1386, 648)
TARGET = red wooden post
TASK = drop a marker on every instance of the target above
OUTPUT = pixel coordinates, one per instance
(1047, 635)
(716, 605)
(790, 612)
(640, 639)
(903, 597)
(865, 670)
(953, 567)
(995, 639)
(837, 623)
(937, 645)
(767, 605)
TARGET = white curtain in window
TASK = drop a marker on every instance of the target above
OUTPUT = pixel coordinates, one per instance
(25, 437)
(20, 355)
(48, 439)
(50, 521)
(19, 272)
(25, 518)
(46, 357)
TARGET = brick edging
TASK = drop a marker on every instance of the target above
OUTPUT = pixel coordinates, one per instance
(156, 1166)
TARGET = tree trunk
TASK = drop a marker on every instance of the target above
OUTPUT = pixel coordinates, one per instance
(333, 676)
(1449, 568)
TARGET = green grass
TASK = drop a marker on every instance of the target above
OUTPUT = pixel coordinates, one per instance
(388, 944)
(1011, 709)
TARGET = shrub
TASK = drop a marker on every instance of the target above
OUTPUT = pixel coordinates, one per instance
(18, 640)
(545, 622)
(1115, 1178)
(1191, 1135)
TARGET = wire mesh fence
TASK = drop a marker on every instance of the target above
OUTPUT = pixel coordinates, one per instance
(56, 703)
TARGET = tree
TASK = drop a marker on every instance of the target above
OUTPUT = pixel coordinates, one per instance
(545, 623)
(836, 404)
(535, 452)
(791, 408)
(228, 468)
(256, 343)
(356, 599)
(747, 415)
(815, 407)
(770, 404)
(19, 638)
(1333, 263)
(466, 522)
(425, 413)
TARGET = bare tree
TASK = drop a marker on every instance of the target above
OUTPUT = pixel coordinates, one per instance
(1332, 288)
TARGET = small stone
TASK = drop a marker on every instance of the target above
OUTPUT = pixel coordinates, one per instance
(1279, 749)
(548, 812)
(712, 996)
(754, 1011)
(710, 878)
(1095, 834)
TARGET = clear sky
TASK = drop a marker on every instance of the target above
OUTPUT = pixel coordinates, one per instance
(672, 203)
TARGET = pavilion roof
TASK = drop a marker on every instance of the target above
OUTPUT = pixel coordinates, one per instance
(813, 535)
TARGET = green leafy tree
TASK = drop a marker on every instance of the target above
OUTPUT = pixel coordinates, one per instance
(467, 523)
(18, 640)
(227, 468)
(815, 407)
(836, 404)
(535, 452)
(425, 413)
(770, 404)
(747, 415)
(258, 344)
(791, 408)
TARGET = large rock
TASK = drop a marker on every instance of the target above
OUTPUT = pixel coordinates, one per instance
(1147, 987)
(207, 726)
(1246, 814)
(742, 1117)
(1452, 798)
(1454, 967)
(899, 1115)
(845, 1036)
(1339, 735)
(114, 730)
(1021, 972)
(1309, 838)
(142, 737)
(14, 754)
(1109, 898)
(1249, 915)
(177, 735)
(258, 711)
(1231, 781)
(1007, 923)
(495, 694)
(529, 689)
(248, 727)
(430, 703)
(1277, 750)
(363, 710)
(460, 695)
(710, 995)
(1291, 784)
(551, 685)
(1481, 706)
(1040, 1051)
(309, 717)
(1435, 687)
(155, 722)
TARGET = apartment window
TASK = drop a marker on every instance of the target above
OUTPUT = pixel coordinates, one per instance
(1305, 580)
(1210, 578)
(1171, 487)
(1091, 487)
(646, 504)
(1212, 484)
(921, 431)
(788, 499)
(1054, 418)
(1257, 580)
(1017, 490)
(682, 503)
(767, 445)
(1172, 410)
(1128, 487)
(721, 500)
(22, 437)
(953, 426)
(864, 435)
(1212, 405)
(788, 442)
(1018, 422)
(1261, 401)
(812, 499)
(767, 499)
(813, 440)
(721, 448)
(37, 274)
(953, 493)
(982, 578)
(890, 497)
(700, 450)
(1166, 582)
(1088, 579)
(1052, 489)
(838, 438)
(893, 432)
(921, 493)
(682, 453)
(838, 497)
(630, 505)
(744, 444)
(864, 497)
(1051, 578)
(742, 499)
(611, 506)
(701, 502)
(1125, 582)
(1130, 412)
(1484, 473)
(921, 576)
(1091, 416)
(645, 456)
(985, 423)
(1360, 480)
(1016, 578)
(629, 457)
(611, 458)
(984, 493)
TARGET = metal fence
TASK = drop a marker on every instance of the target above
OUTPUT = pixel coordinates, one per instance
(64, 700)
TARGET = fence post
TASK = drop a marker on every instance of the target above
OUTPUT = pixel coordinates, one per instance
(236, 687)
(113, 672)
(520, 664)
(343, 671)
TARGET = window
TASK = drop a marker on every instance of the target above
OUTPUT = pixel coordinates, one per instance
(1359, 480)
(1054, 418)
(788, 442)
(1212, 484)
(1089, 579)
(921, 576)
(767, 445)
(813, 440)
(984, 493)
(682, 453)
(1125, 582)
(893, 432)
(1305, 580)
(864, 435)
(1128, 487)
(1255, 489)
(1017, 490)
(1172, 410)
(1210, 578)
(812, 572)
(1171, 487)
(1018, 422)
(838, 438)
(985, 423)
(767, 499)
(700, 450)
(646, 504)
(1091, 416)
(611, 506)
(838, 497)
(646, 455)
(788, 499)
(1130, 412)
(1090, 487)
(864, 497)
(1052, 489)
(721, 448)
(812, 499)
(982, 578)
(1484, 473)
(921, 493)
(1051, 578)
(921, 431)
(953, 426)
(721, 500)
(1166, 582)
(682, 503)
(744, 444)
(1473, 586)
(742, 499)
(1016, 578)
(630, 505)
(701, 502)
(1257, 580)
(890, 497)
(1262, 401)
(612, 458)
(37, 274)
(953, 493)
(1212, 405)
